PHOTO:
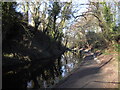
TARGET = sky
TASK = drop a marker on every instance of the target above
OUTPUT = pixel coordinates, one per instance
(79, 7)
(76, 3)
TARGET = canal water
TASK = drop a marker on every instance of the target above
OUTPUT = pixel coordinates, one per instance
(43, 74)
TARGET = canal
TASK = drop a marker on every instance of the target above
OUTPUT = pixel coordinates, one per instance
(43, 74)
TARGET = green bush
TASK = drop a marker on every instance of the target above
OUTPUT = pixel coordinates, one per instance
(117, 47)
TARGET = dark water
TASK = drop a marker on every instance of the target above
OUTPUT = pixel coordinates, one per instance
(41, 74)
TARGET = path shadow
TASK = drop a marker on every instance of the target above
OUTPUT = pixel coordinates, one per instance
(91, 58)
(106, 62)
(107, 82)
(81, 73)
(99, 82)
(72, 79)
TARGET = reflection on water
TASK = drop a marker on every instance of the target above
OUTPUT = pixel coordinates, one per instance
(41, 74)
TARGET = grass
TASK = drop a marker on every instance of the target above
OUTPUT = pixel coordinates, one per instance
(106, 52)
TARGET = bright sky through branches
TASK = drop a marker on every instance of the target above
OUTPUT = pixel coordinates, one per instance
(78, 5)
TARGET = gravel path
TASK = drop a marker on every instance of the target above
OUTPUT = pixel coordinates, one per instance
(92, 74)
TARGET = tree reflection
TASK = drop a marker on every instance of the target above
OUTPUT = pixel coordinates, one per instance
(41, 74)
